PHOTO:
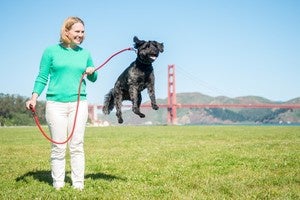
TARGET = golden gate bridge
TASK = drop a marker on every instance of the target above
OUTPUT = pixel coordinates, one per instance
(172, 104)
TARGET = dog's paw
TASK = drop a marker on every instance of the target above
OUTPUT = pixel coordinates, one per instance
(155, 107)
(105, 112)
(120, 120)
(142, 115)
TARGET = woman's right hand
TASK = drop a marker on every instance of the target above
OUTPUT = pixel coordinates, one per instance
(31, 103)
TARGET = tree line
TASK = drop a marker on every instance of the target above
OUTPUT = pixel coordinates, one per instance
(14, 113)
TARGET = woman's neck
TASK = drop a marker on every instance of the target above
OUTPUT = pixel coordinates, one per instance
(72, 45)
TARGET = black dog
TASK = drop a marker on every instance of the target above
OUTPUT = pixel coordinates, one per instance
(138, 76)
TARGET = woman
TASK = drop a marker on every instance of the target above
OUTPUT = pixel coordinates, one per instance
(65, 63)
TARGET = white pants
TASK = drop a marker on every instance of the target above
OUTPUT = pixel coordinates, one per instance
(60, 119)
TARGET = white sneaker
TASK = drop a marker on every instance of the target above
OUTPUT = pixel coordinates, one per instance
(58, 186)
(79, 188)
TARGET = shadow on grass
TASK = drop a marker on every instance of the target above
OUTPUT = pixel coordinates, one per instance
(103, 176)
(45, 177)
(42, 176)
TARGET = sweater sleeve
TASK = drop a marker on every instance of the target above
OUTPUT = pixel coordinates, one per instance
(92, 77)
(42, 78)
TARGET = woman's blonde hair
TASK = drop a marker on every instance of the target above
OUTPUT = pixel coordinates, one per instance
(66, 26)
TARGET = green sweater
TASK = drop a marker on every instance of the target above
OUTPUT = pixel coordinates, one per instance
(64, 68)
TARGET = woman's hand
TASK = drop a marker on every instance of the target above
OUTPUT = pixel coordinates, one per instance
(31, 103)
(90, 70)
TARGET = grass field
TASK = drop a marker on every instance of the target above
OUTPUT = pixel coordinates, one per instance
(160, 162)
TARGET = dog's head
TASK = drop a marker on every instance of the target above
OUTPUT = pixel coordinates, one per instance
(147, 51)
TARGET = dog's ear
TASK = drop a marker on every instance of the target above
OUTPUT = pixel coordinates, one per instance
(137, 42)
(135, 39)
(160, 47)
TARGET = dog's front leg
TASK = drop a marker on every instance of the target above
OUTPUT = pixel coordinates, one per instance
(136, 99)
(151, 92)
(153, 99)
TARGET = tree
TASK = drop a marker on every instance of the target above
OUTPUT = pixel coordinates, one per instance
(14, 113)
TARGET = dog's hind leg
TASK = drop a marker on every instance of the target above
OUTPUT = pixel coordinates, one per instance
(139, 100)
(108, 102)
(118, 103)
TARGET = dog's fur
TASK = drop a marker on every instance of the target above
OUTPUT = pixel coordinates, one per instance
(138, 76)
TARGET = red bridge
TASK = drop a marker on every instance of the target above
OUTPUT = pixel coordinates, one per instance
(173, 105)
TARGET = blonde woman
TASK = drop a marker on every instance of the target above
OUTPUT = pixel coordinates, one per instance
(63, 64)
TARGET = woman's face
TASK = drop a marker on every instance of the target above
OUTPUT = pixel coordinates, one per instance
(76, 33)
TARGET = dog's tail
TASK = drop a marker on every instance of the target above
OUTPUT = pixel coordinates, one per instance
(109, 102)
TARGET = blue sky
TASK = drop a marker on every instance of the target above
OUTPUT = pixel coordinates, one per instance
(219, 47)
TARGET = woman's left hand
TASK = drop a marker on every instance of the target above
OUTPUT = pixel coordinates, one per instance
(90, 70)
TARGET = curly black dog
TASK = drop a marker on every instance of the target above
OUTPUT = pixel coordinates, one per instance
(137, 77)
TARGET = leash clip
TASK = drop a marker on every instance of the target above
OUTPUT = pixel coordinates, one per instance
(133, 49)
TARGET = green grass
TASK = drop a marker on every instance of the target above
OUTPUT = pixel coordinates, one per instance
(160, 162)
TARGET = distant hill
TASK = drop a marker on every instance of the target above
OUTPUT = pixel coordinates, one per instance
(194, 116)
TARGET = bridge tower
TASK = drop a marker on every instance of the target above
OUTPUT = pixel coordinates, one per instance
(92, 110)
(172, 113)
